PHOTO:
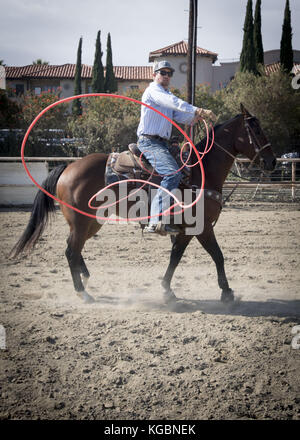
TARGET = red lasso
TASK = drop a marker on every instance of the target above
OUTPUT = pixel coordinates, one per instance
(189, 141)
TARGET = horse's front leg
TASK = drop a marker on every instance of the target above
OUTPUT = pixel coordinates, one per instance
(210, 244)
(180, 243)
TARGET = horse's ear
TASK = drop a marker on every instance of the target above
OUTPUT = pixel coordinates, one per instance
(244, 110)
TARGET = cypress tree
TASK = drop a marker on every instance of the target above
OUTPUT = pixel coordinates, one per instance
(286, 50)
(76, 106)
(247, 58)
(110, 80)
(258, 46)
(98, 74)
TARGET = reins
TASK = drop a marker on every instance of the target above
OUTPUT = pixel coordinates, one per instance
(258, 181)
(258, 149)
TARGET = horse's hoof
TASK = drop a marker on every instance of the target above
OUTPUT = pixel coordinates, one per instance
(87, 299)
(169, 296)
(227, 296)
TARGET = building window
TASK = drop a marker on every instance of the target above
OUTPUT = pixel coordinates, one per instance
(46, 89)
(133, 87)
(50, 89)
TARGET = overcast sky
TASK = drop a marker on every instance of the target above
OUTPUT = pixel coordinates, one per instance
(50, 29)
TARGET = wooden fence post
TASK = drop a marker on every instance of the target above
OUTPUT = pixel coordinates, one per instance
(293, 179)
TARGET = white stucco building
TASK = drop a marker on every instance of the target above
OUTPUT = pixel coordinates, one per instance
(207, 71)
(176, 54)
(39, 78)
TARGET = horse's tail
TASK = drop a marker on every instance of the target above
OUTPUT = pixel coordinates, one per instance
(43, 206)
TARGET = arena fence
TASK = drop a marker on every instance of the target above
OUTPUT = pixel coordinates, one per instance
(16, 189)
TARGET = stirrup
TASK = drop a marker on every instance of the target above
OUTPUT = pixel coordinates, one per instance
(171, 230)
(162, 229)
(166, 229)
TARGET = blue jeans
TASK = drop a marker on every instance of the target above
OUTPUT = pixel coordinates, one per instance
(157, 153)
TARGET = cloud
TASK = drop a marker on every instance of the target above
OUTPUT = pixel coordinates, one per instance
(50, 29)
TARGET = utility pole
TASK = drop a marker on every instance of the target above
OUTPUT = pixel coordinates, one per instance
(192, 52)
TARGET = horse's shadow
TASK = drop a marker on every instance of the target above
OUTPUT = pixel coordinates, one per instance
(289, 309)
(272, 307)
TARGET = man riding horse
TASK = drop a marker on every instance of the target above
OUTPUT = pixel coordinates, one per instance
(154, 131)
(76, 184)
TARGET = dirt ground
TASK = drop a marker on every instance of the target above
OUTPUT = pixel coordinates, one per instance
(129, 355)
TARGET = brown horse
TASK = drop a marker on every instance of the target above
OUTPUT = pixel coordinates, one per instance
(76, 183)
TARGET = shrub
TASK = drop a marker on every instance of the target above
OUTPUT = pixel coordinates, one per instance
(10, 112)
(272, 100)
(107, 123)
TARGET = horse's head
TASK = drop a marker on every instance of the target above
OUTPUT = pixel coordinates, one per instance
(252, 142)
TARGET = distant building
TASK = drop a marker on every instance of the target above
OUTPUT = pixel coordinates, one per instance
(176, 54)
(39, 78)
(224, 73)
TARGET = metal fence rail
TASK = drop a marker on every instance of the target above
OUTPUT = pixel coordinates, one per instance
(283, 184)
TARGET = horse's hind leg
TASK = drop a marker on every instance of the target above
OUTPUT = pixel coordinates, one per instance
(210, 244)
(76, 262)
(180, 243)
(85, 275)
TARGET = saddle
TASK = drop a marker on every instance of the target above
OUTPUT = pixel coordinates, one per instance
(130, 164)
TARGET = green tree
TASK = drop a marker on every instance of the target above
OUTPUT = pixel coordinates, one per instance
(110, 80)
(272, 100)
(10, 112)
(258, 46)
(247, 58)
(98, 73)
(32, 104)
(76, 105)
(39, 61)
(206, 99)
(43, 138)
(286, 50)
(108, 123)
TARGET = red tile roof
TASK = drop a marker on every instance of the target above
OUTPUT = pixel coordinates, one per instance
(134, 72)
(274, 67)
(43, 71)
(67, 71)
(180, 48)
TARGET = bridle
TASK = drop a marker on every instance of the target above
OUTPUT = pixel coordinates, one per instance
(257, 148)
(252, 141)
(255, 142)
